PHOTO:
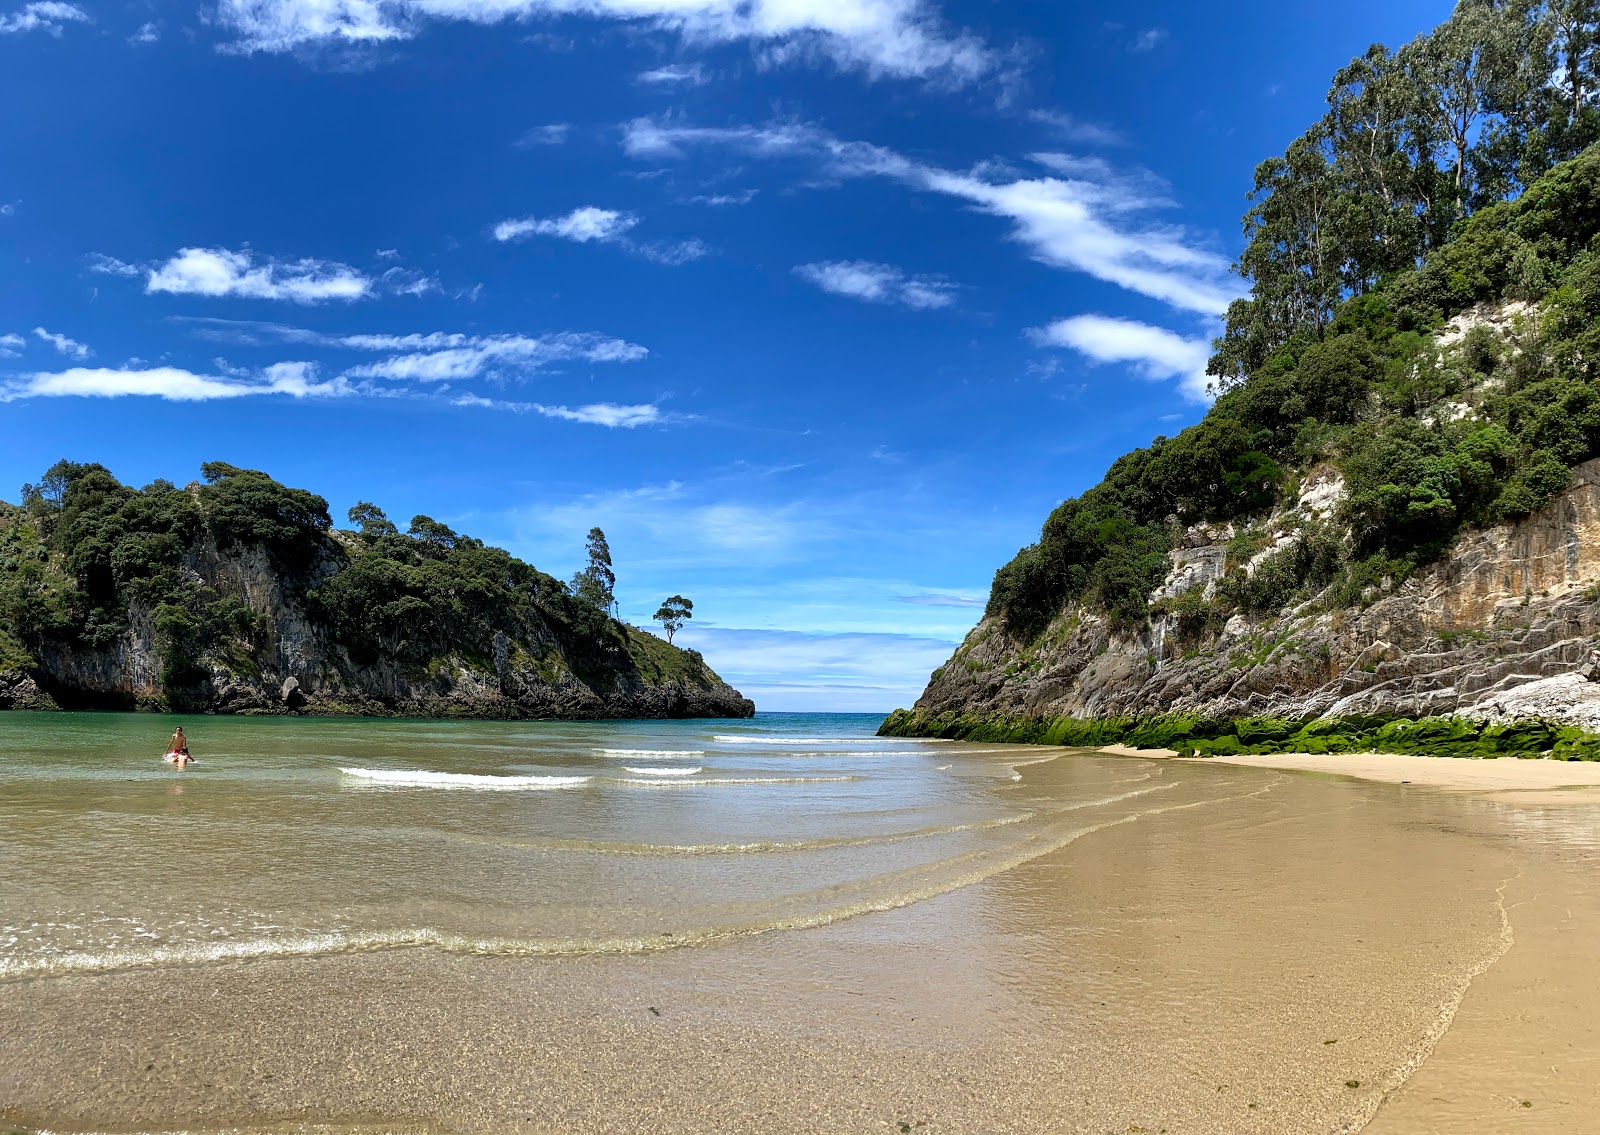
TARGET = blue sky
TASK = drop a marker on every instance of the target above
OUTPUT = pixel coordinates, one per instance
(817, 307)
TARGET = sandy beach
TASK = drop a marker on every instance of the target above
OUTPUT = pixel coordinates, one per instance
(1507, 778)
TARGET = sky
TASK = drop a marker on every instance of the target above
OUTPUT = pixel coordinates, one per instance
(816, 307)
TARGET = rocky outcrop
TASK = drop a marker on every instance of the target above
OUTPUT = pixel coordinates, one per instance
(1502, 627)
(291, 666)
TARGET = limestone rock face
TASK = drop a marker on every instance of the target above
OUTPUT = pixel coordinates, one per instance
(1503, 626)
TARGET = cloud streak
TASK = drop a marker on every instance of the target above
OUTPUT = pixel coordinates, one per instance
(220, 272)
(877, 283)
(582, 225)
(69, 347)
(172, 384)
(1082, 215)
(1153, 352)
(49, 16)
(881, 38)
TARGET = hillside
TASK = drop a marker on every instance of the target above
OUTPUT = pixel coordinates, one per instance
(1390, 511)
(239, 596)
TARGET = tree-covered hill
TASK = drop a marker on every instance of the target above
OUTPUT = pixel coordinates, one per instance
(1391, 511)
(1452, 174)
(239, 595)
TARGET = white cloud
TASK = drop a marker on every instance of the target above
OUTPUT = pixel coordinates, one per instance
(1148, 39)
(147, 33)
(595, 414)
(45, 15)
(550, 135)
(170, 383)
(444, 358)
(1154, 352)
(877, 283)
(11, 346)
(61, 343)
(111, 266)
(1086, 219)
(939, 599)
(883, 38)
(1073, 129)
(604, 414)
(672, 252)
(582, 225)
(716, 200)
(220, 272)
(686, 74)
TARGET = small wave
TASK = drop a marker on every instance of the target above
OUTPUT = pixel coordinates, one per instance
(662, 771)
(740, 780)
(756, 739)
(654, 754)
(407, 778)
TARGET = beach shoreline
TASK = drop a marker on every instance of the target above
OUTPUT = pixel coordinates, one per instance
(1532, 780)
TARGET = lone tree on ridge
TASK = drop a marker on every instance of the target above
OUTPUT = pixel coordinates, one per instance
(673, 614)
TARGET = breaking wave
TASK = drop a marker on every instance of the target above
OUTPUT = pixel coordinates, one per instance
(411, 778)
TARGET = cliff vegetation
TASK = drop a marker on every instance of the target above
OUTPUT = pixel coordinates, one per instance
(1401, 401)
(238, 595)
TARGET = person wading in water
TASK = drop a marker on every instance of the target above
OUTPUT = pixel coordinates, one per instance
(178, 748)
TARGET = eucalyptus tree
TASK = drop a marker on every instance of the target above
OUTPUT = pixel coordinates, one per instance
(596, 583)
(673, 613)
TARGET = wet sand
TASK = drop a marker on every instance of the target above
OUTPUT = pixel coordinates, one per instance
(1267, 952)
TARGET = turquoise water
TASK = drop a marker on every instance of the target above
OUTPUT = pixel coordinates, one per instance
(305, 836)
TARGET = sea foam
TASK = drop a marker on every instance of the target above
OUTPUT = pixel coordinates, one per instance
(662, 771)
(411, 778)
(653, 754)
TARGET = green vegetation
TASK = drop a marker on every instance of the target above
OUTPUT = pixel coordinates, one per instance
(673, 613)
(1193, 736)
(1445, 175)
(86, 558)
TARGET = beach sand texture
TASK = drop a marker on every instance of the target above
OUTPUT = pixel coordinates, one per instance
(1179, 946)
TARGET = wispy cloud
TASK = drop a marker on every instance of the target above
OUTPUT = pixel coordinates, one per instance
(1149, 39)
(70, 347)
(583, 225)
(1070, 128)
(147, 33)
(608, 414)
(942, 600)
(11, 345)
(47, 16)
(678, 74)
(172, 384)
(881, 38)
(552, 134)
(1153, 352)
(1083, 216)
(445, 358)
(877, 283)
(221, 272)
(111, 266)
(718, 200)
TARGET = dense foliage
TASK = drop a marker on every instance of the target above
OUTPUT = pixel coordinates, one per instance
(1378, 227)
(84, 554)
(1193, 736)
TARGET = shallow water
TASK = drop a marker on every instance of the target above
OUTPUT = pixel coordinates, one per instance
(315, 836)
(495, 927)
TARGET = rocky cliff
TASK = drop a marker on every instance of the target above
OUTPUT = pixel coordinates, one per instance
(1501, 628)
(239, 597)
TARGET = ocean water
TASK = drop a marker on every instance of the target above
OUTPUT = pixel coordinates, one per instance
(312, 836)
